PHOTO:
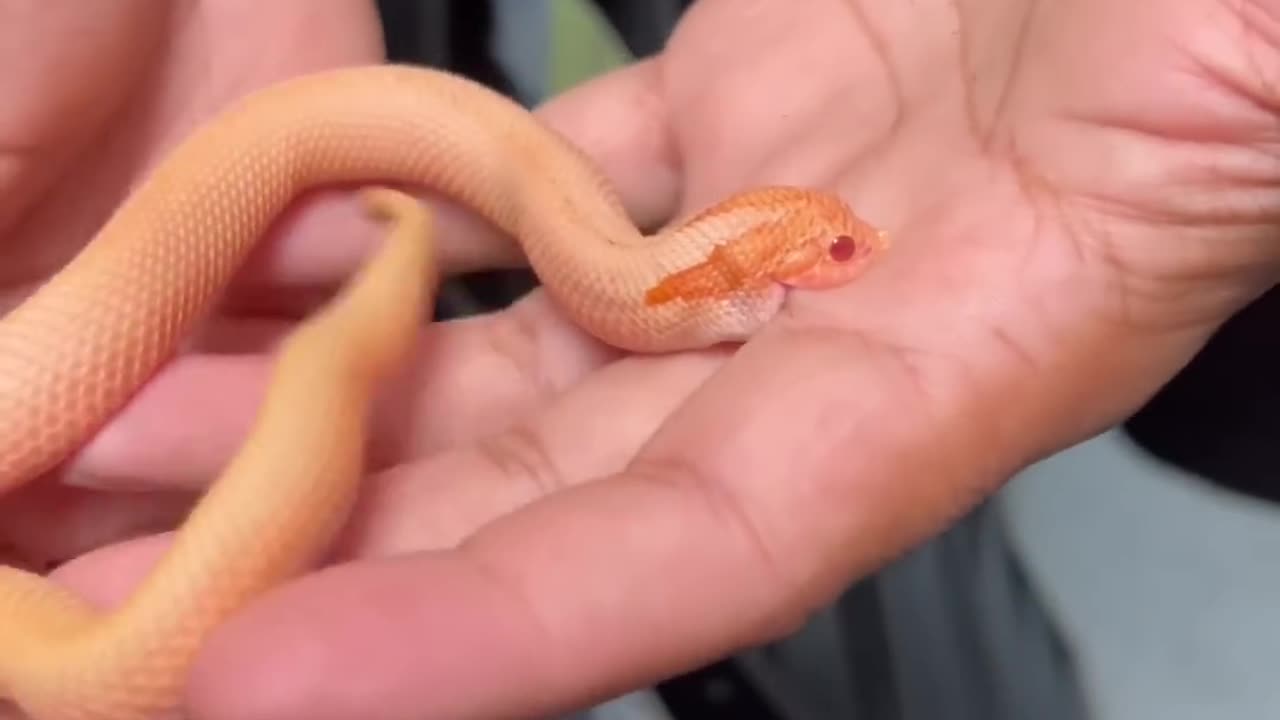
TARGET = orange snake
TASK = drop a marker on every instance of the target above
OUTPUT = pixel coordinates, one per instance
(74, 353)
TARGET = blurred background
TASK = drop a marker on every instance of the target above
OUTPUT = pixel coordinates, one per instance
(1133, 576)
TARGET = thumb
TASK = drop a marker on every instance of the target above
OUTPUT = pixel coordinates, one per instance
(621, 121)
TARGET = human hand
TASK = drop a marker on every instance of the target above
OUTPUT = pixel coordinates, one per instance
(94, 96)
(1079, 195)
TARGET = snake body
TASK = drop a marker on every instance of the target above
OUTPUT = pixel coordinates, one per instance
(75, 352)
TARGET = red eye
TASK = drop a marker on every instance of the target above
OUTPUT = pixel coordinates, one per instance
(842, 248)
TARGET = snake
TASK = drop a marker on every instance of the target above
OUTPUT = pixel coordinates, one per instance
(76, 351)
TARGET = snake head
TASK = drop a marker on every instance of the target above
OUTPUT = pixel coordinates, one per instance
(772, 236)
(821, 243)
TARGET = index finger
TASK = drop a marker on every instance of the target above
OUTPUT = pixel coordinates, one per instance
(787, 473)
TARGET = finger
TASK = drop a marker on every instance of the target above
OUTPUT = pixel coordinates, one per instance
(45, 524)
(316, 243)
(466, 378)
(441, 499)
(534, 349)
(618, 120)
(622, 121)
(592, 430)
(107, 575)
(797, 467)
(69, 71)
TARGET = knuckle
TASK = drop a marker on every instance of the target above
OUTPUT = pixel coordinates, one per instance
(520, 455)
(726, 510)
(515, 336)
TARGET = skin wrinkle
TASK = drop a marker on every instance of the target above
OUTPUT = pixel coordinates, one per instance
(515, 338)
(1022, 360)
(519, 337)
(504, 587)
(996, 324)
(1239, 91)
(1249, 171)
(1034, 185)
(520, 454)
(714, 495)
(1008, 340)
(1043, 197)
(986, 137)
(1095, 245)
(900, 448)
(880, 46)
(928, 382)
(1158, 208)
(511, 590)
(517, 342)
(1134, 286)
(1267, 94)
(797, 576)
(556, 669)
(1167, 130)
(561, 429)
(1269, 9)
(1174, 218)
(1199, 219)
(1038, 193)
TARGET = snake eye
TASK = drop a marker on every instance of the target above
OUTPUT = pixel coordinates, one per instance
(842, 248)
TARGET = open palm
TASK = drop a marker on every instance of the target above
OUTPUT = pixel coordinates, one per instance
(1080, 193)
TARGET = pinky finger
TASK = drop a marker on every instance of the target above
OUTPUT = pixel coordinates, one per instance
(47, 524)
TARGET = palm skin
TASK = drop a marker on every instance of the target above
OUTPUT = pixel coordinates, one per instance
(1080, 193)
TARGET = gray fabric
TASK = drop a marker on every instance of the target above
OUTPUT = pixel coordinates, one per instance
(951, 630)
(520, 44)
(642, 705)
